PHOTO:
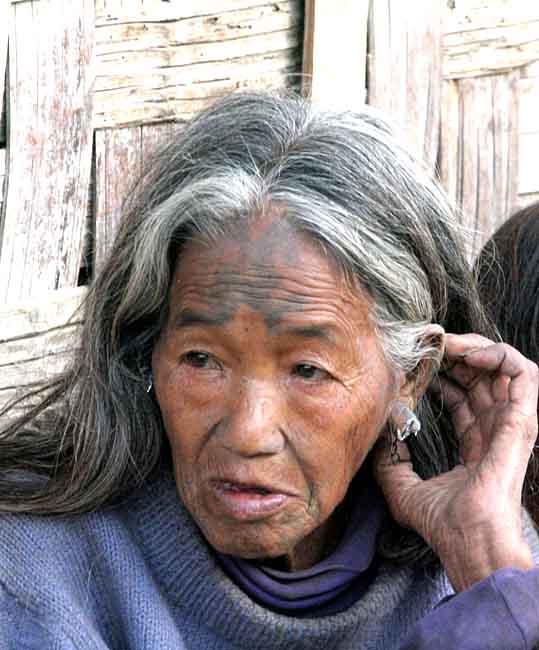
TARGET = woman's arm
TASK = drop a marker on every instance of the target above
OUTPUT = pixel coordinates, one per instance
(472, 515)
(500, 612)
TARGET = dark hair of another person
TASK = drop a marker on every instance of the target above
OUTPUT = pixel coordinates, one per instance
(345, 180)
(508, 277)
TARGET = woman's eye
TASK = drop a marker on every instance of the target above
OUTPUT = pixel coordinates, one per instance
(310, 372)
(197, 359)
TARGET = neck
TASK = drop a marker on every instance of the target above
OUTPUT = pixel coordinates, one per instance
(317, 546)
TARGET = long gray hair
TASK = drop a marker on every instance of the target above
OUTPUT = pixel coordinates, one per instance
(344, 179)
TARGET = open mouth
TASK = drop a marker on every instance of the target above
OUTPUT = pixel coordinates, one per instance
(253, 489)
(245, 501)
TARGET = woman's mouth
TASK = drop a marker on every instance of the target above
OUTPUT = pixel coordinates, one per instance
(247, 502)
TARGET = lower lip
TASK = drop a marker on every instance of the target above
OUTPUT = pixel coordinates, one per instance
(247, 505)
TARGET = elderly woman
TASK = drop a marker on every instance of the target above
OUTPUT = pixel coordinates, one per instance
(265, 346)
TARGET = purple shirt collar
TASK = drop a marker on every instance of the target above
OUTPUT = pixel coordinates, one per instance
(331, 585)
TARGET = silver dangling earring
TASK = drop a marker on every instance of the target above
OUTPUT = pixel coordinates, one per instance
(412, 426)
(150, 384)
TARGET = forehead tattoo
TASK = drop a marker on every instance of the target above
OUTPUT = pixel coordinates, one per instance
(248, 273)
(224, 292)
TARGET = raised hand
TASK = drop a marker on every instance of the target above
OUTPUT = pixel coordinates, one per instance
(471, 516)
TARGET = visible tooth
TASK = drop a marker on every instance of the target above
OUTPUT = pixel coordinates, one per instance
(233, 487)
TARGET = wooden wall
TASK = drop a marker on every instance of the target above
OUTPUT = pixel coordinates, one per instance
(489, 110)
(528, 135)
(92, 85)
(460, 80)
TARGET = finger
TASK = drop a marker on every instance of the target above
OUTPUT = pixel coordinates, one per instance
(477, 383)
(396, 480)
(500, 359)
(500, 388)
(457, 345)
(504, 360)
(516, 424)
(475, 380)
(455, 400)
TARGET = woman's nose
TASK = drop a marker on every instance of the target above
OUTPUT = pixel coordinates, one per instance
(254, 424)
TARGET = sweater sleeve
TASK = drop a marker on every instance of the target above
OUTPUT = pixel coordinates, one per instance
(498, 613)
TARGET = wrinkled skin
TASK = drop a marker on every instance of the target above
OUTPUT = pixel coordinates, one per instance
(269, 372)
(472, 515)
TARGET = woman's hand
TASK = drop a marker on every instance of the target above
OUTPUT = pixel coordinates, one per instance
(471, 516)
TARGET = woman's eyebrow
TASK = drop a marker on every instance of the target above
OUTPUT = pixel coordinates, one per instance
(189, 318)
(324, 332)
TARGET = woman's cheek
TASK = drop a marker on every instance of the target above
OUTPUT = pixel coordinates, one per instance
(189, 405)
(312, 396)
(196, 388)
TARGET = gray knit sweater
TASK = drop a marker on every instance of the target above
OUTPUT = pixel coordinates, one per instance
(140, 576)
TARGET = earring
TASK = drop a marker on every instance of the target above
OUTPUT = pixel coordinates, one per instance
(150, 384)
(412, 426)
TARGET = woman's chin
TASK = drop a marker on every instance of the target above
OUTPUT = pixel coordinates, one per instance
(250, 545)
(251, 550)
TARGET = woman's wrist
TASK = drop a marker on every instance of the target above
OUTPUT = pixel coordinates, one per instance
(475, 558)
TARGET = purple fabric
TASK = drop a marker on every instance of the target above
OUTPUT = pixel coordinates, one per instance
(330, 586)
(501, 611)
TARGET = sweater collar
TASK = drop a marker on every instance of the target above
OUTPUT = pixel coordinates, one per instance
(334, 583)
(193, 582)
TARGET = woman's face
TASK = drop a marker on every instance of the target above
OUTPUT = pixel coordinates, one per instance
(273, 389)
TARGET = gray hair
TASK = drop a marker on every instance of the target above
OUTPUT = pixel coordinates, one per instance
(344, 179)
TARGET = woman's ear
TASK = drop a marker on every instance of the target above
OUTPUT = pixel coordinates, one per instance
(416, 382)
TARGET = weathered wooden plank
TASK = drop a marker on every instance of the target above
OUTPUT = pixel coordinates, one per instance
(120, 154)
(472, 95)
(479, 151)
(529, 105)
(402, 80)
(528, 185)
(134, 71)
(530, 71)
(160, 10)
(526, 199)
(155, 135)
(528, 181)
(35, 361)
(161, 63)
(15, 352)
(506, 128)
(118, 36)
(30, 318)
(36, 339)
(118, 160)
(4, 29)
(49, 146)
(172, 101)
(450, 165)
(334, 67)
(489, 36)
